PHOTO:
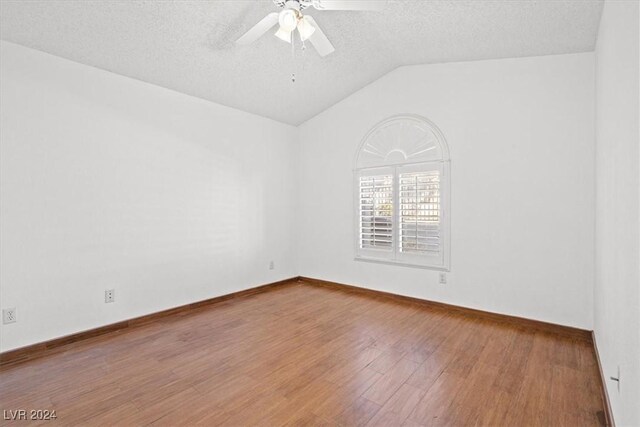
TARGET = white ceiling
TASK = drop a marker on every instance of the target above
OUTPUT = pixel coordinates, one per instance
(188, 45)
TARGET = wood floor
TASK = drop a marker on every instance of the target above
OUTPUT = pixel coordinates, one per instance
(305, 355)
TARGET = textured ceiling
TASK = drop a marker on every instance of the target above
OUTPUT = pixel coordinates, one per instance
(188, 45)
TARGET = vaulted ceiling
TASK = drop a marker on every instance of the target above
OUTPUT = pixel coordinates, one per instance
(188, 46)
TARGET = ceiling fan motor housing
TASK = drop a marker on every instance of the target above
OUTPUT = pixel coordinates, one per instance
(292, 4)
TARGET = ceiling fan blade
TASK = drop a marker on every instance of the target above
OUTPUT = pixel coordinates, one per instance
(319, 40)
(349, 4)
(259, 29)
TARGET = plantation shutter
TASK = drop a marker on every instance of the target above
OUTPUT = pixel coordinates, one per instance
(419, 212)
(376, 210)
(400, 214)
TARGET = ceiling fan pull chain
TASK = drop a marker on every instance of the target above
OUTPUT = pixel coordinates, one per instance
(293, 58)
(293, 47)
(303, 57)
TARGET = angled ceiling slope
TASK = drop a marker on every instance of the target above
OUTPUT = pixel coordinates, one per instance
(189, 46)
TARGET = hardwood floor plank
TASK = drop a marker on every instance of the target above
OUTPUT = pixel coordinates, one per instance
(358, 413)
(398, 408)
(473, 398)
(512, 373)
(433, 408)
(390, 382)
(387, 360)
(341, 398)
(426, 373)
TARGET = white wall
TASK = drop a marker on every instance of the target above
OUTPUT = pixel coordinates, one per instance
(617, 286)
(108, 182)
(521, 137)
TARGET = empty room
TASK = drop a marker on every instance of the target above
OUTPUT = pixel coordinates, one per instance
(320, 212)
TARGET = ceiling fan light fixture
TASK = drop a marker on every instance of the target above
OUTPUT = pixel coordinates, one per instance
(283, 35)
(305, 28)
(288, 19)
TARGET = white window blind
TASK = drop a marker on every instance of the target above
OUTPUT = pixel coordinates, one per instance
(419, 212)
(376, 211)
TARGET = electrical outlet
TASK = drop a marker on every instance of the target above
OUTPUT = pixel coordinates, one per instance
(109, 295)
(443, 278)
(9, 315)
(271, 265)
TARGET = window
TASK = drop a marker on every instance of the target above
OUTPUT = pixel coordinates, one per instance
(401, 183)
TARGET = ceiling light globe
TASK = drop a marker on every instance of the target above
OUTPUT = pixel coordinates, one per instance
(283, 35)
(305, 28)
(288, 20)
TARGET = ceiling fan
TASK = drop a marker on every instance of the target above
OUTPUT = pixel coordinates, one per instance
(292, 19)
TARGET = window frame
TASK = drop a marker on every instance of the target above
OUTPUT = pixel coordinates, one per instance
(395, 256)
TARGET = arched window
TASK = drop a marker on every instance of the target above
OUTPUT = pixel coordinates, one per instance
(402, 194)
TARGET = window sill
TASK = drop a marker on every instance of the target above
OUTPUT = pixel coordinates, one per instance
(401, 263)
